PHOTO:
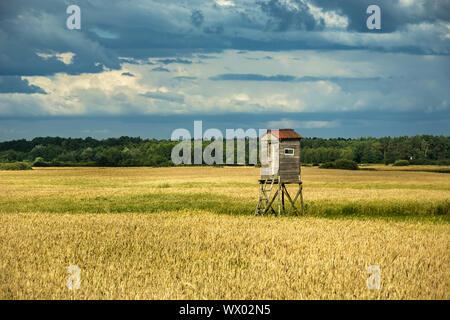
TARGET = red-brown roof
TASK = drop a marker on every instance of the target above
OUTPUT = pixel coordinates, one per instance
(284, 133)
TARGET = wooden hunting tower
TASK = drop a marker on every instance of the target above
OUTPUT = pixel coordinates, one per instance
(280, 165)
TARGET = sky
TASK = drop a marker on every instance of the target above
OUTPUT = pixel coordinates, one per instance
(147, 67)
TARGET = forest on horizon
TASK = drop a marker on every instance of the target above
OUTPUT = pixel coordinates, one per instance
(135, 151)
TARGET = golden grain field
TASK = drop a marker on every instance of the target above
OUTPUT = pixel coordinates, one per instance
(189, 233)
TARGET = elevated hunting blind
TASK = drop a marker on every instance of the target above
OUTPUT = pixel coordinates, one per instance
(280, 165)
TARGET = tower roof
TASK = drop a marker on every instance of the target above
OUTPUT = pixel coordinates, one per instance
(284, 133)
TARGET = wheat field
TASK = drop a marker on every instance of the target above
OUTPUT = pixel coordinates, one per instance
(189, 233)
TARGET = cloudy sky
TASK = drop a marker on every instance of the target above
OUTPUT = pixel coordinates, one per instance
(146, 67)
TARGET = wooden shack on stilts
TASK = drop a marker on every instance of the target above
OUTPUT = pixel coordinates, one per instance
(280, 166)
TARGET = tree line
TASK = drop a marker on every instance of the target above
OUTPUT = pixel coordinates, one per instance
(132, 151)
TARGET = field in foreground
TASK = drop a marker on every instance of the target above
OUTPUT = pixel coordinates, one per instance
(188, 233)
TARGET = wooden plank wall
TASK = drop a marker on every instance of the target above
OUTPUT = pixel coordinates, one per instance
(289, 165)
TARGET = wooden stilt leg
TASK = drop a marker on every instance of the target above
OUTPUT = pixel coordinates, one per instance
(296, 197)
(282, 198)
(267, 198)
(258, 206)
(262, 197)
(279, 198)
(292, 202)
(301, 198)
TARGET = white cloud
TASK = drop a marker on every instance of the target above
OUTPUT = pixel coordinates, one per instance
(406, 3)
(65, 57)
(417, 85)
(225, 3)
(241, 97)
(331, 18)
(287, 123)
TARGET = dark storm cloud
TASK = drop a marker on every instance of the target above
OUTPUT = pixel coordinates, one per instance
(177, 60)
(197, 18)
(27, 27)
(15, 84)
(286, 17)
(217, 29)
(394, 14)
(160, 69)
(203, 57)
(286, 78)
(155, 29)
(171, 97)
(185, 78)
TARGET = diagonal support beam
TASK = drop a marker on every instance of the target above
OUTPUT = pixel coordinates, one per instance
(291, 201)
(267, 198)
(270, 203)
